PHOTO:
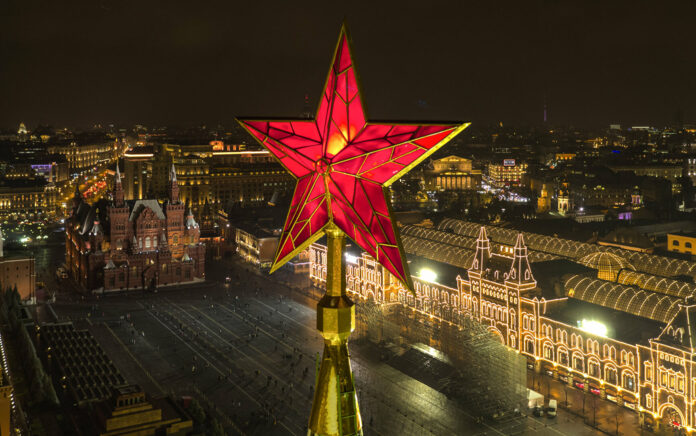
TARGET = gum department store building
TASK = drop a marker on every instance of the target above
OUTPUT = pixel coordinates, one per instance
(642, 356)
(119, 244)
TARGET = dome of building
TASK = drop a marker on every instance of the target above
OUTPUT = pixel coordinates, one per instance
(607, 264)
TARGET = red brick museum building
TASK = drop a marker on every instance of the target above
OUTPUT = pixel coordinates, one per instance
(130, 244)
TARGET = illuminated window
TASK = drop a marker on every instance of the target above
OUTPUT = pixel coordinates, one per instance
(648, 371)
(563, 357)
(671, 381)
(594, 368)
(680, 383)
(529, 345)
(648, 401)
(663, 378)
(610, 374)
(628, 381)
(548, 352)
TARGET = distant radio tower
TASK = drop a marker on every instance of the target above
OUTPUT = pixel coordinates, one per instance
(306, 110)
(544, 109)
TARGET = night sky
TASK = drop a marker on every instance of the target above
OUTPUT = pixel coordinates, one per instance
(167, 62)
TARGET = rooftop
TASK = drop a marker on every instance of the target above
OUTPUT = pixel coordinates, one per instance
(622, 326)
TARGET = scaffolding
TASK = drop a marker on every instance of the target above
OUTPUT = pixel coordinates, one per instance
(463, 360)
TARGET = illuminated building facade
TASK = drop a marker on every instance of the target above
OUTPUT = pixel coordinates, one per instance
(85, 156)
(452, 173)
(565, 156)
(52, 168)
(665, 171)
(137, 166)
(543, 201)
(133, 244)
(682, 242)
(26, 197)
(209, 174)
(507, 173)
(256, 245)
(620, 333)
(563, 199)
(690, 168)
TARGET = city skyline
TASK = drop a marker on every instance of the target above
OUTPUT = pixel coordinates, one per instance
(589, 65)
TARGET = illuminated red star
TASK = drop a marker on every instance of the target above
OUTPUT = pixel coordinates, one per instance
(343, 166)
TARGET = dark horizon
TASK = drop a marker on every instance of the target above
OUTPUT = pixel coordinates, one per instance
(178, 63)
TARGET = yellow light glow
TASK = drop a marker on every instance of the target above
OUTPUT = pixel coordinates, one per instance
(428, 275)
(594, 327)
(337, 142)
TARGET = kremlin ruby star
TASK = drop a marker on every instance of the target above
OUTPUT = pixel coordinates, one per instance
(344, 165)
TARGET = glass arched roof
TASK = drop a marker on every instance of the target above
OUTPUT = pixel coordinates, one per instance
(640, 302)
(643, 262)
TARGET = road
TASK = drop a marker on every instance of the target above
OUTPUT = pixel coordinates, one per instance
(249, 352)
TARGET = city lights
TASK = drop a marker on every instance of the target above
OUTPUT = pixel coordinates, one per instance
(551, 254)
(594, 327)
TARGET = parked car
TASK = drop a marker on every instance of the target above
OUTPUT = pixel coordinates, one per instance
(538, 411)
(551, 411)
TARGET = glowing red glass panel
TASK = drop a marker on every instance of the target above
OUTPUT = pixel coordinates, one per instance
(354, 159)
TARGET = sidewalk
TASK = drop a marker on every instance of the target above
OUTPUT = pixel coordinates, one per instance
(596, 412)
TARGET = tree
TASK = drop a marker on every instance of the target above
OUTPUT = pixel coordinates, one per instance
(49, 390)
(196, 412)
(216, 429)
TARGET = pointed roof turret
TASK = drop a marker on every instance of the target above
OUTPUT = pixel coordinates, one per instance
(163, 242)
(483, 250)
(190, 221)
(681, 330)
(96, 228)
(173, 186)
(520, 271)
(118, 193)
(520, 247)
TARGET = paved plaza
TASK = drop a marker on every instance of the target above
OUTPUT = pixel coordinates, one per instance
(248, 351)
